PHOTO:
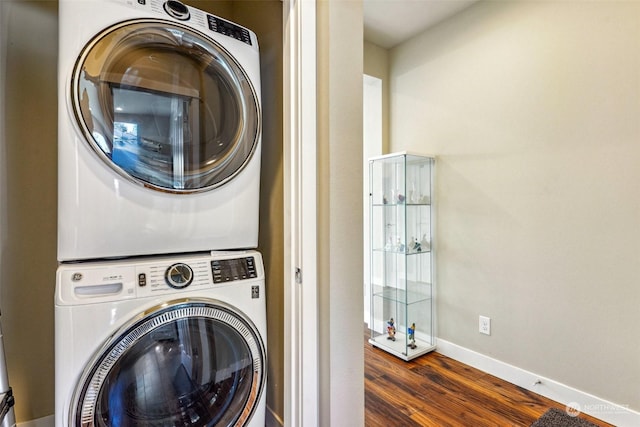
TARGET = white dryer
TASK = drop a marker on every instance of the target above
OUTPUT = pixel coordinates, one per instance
(159, 130)
(162, 341)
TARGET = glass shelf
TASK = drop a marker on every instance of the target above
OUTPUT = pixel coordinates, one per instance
(421, 293)
(390, 205)
(391, 251)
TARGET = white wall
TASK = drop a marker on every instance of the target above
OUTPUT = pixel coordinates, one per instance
(533, 109)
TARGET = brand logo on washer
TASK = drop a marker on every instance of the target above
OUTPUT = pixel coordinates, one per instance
(76, 277)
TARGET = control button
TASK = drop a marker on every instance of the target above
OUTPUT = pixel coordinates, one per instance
(142, 2)
(142, 279)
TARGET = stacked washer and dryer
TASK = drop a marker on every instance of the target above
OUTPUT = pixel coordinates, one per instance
(160, 301)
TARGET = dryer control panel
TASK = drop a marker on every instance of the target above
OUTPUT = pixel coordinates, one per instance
(230, 29)
(185, 13)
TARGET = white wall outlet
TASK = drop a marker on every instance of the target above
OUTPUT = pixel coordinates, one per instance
(485, 325)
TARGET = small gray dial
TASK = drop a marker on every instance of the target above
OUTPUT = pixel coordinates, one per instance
(179, 275)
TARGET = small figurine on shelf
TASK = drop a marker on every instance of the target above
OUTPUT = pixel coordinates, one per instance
(424, 243)
(415, 245)
(412, 335)
(384, 200)
(414, 198)
(400, 246)
(400, 198)
(391, 330)
(389, 245)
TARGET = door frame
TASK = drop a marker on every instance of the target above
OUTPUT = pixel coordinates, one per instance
(301, 358)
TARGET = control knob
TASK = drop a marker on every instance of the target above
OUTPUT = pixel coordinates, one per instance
(179, 275)
(177, 10)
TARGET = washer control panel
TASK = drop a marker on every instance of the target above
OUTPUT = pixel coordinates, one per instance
(136, 278)
(196, 273)
(227, 270)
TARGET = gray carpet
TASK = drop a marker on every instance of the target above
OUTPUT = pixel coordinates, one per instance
(558, 418)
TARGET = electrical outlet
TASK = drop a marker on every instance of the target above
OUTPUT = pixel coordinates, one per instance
(485, 325)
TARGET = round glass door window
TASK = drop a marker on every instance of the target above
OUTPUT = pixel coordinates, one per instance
(188, 364)
(165, 106)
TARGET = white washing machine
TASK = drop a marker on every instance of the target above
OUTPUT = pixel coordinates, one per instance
(159, 130)
(162, 341)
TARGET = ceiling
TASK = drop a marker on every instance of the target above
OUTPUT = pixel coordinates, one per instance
(388, 23)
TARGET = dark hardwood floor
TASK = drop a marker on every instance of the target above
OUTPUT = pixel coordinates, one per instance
(434, 390)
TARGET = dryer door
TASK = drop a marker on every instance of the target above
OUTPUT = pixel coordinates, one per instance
(165, 106)
(188, 363)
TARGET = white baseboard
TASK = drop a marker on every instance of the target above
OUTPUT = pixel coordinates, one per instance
(612, 413)
(39, 422)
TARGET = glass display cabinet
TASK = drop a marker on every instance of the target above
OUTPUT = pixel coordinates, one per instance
(401, 277)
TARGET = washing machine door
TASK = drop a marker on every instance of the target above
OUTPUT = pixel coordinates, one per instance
(165, 106)
(187, 363)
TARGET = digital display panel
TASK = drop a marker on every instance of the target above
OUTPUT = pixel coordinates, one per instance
(229, 29)
(227, 270)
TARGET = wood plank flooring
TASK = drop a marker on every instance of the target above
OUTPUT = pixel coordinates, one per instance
(434, 390)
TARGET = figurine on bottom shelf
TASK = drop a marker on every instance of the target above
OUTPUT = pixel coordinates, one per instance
(391, 330)
(412, 336)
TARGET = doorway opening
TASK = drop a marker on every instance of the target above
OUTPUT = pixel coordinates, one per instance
(371, 147)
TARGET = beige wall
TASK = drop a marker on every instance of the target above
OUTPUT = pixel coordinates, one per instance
(532, 109)
(28, 260)
(340, 261)
(29, 188)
